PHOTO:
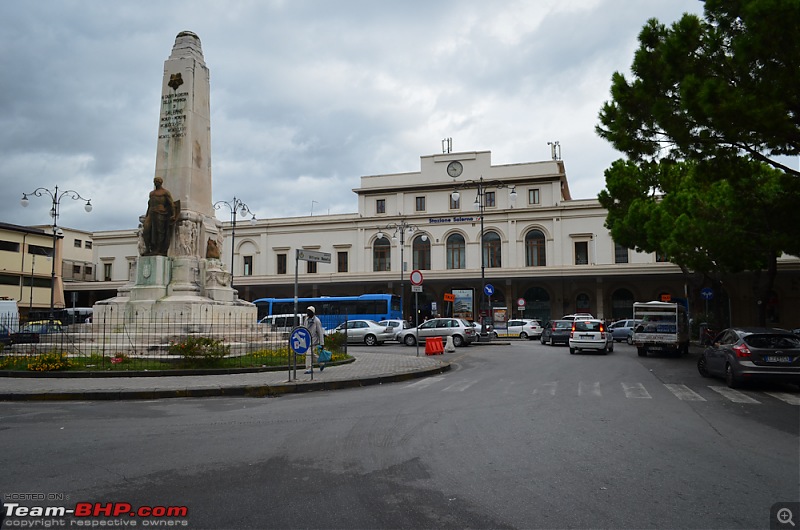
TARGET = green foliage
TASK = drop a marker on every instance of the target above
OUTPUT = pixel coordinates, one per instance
(200, 351)
(718, 87)
(711, 102)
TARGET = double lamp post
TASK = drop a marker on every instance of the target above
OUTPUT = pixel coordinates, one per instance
(400, 229)
(236, 205)
(55, 211)
(480, 205)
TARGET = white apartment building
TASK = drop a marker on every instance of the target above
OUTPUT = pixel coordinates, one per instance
(546, 249)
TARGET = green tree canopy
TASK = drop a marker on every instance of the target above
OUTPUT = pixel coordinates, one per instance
(721, 86)
(711, 105)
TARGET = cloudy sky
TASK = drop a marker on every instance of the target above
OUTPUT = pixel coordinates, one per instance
(306, 96)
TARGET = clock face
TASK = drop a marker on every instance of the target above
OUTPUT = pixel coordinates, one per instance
(454, 168)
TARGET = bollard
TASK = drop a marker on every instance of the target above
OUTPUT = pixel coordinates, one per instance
(450, 347)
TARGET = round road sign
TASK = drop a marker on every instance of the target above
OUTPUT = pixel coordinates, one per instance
(416, 277)
(521, 302)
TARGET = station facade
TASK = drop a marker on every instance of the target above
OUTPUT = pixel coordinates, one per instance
(544, 253)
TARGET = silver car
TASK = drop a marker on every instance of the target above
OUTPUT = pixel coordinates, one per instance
(590, 335)
(396, 324)
(623, 330)
(524, 328)
(367, 331)
(463, 332)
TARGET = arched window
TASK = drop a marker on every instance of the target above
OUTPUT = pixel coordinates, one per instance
(422, 253)
(491, 250)
(456, 252)
(534, 249)
(621, 304)
(583, 303)
(382, 255)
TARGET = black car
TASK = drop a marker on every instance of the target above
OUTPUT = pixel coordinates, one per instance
(556, 332)
(746, 354)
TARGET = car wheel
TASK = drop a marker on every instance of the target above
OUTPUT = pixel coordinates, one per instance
(730, 377)
(702, 367)
(494, 334)
(642, 352)
(523, 335)
(370, 340)
(572, 351)
(610, 348)
(410, 340)
(458, 341)
(552, 341)
(629, 340)
(541, 339)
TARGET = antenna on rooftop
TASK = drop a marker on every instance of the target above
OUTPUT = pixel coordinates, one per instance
(555, 149)
(447, 145)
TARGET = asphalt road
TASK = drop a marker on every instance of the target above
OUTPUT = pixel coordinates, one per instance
(518, 436)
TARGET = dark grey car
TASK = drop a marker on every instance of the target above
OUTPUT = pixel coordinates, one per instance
(556, 332)
(746, 354)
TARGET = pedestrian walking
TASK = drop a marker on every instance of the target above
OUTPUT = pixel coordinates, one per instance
(312, 322)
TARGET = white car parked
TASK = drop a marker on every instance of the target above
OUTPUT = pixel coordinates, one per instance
(367, 331)
(524, 328)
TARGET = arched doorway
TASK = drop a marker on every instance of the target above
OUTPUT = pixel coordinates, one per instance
(621, 304)
(537, 304)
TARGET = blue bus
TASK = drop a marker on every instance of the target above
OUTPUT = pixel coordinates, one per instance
(333, 310)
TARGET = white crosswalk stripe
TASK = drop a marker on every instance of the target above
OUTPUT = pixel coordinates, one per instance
(734, 395)
(636, 391)
(592, 389)
(550, 388)
(684, 393)
(426, 382)
(791, 399)
(460, 386)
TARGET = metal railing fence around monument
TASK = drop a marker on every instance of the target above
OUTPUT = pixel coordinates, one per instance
(179, 341)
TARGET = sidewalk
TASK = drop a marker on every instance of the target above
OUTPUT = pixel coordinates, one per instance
(367, 369)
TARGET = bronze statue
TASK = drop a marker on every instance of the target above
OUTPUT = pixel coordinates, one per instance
(161, 215)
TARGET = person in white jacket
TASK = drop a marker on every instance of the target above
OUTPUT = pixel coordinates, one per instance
(312, 322)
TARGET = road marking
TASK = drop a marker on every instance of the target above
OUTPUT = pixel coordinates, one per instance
(422, 383)
(552, 388)
(635, 390)
(594, 389)
(684, 393)
(460, 386)
(791, 399)
(734, 395)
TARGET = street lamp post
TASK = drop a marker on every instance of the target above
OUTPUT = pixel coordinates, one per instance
(55, 211)
(236, 205)
(400, 230)
(480, 204)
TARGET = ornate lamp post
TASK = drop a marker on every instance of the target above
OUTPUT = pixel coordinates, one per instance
(55, 211)
(400, 230)
(480, 204)
(236, 205)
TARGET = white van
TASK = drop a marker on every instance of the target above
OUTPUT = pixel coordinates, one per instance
(9, 314)
(281, 323)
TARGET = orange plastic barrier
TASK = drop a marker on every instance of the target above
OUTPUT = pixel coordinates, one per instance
(434, 346)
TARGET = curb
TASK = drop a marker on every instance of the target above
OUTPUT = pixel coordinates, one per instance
(231, 391)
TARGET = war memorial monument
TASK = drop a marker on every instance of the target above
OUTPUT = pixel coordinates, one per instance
(180, 277)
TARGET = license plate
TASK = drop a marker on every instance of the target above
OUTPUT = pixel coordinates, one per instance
(777, 359)
(587, 336)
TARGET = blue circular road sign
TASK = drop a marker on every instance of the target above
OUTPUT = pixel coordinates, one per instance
(300, 340)
(707, 293)
(488, 289)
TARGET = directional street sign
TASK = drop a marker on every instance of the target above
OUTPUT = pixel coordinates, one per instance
(300, 340)
(707, 293)
(488, 289)
(312, 255)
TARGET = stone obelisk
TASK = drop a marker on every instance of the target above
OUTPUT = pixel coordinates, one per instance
(188, 277)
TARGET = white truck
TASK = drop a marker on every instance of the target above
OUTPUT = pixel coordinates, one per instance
(664, 327)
